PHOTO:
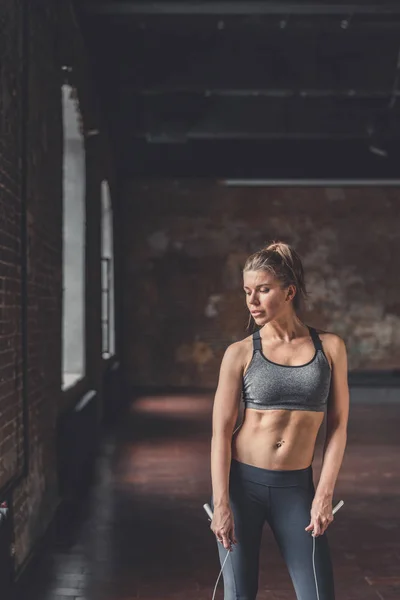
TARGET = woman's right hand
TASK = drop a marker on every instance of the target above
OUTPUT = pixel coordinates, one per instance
(223, 527)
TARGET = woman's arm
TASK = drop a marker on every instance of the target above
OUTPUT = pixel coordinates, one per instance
(225, 412)
(336, 437)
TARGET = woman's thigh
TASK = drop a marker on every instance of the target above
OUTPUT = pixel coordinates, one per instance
(310, 567)
(241, 570)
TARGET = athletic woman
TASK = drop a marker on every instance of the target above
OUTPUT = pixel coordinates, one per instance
(289, 375)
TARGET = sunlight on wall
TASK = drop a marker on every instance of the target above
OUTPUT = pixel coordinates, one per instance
(107, 272)
(73, 351)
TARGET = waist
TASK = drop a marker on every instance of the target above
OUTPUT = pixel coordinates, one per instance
(272, 477)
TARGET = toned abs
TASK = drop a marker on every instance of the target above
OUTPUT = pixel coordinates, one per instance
(277, 439)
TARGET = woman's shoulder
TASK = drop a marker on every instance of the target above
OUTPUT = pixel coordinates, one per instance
(329, 336)
(332, 343)
(239, 350)
(240, 345)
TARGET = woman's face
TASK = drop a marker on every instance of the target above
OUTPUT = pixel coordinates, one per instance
(264, 297)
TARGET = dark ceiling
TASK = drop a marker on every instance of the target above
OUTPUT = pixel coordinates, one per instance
(249, 89)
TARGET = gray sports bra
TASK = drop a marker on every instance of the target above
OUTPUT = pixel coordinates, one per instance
(268, 385)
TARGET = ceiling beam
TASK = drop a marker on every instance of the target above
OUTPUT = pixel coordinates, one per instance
(352, 94)
(276, 159)
(310, 182)
(234, 7)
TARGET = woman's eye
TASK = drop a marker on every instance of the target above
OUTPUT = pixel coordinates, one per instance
(264, 290)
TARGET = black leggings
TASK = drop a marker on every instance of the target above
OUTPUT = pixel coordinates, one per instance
(282, 498)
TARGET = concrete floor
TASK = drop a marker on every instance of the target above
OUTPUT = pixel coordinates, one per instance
(143, 532)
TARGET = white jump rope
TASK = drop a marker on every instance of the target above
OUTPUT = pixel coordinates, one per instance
(208, 510)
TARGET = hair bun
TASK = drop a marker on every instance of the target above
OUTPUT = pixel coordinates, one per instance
(279, 247)
(273, 246)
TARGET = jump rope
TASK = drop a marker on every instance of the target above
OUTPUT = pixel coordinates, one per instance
(209, 512)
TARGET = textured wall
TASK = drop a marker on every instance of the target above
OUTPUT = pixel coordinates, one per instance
(35, 498)
(10, 248)
(53, 41)
(185, 243)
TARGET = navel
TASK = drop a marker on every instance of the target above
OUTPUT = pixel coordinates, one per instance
(279, 444)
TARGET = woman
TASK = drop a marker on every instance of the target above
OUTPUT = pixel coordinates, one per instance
(289, 375)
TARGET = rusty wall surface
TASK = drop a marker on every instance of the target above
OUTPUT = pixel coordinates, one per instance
(185, 243)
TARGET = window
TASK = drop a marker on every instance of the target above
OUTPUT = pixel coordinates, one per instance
(107, 272)
(73, 310)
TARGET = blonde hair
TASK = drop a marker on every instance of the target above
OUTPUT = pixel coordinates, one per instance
(284, 263)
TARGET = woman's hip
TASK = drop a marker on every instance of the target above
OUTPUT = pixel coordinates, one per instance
(243, 472)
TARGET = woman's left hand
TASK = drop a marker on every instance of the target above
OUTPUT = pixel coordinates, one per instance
(321, 515)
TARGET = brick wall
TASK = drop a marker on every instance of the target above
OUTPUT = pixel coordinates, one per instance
(10, 247)
(184, 245)
(36, 497)
(53, 40)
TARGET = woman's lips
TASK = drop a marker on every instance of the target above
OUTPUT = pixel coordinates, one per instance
(257, 313)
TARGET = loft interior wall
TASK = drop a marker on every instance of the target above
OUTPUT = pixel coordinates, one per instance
(185, 242)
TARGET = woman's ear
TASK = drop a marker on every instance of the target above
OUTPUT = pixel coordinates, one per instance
(291, 292)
